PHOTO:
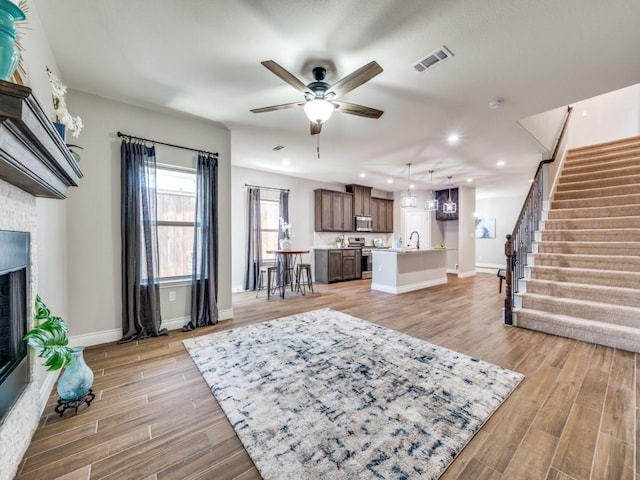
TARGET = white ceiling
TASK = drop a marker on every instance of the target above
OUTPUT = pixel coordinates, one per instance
(202, 57)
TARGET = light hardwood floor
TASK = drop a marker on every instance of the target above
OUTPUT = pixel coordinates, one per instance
(573, 417)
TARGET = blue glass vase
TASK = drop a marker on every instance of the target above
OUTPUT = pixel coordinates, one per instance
(61, 128)
(77, 379)
(9, 55)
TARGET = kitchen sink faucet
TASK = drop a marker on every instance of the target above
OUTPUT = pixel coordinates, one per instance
(418, 242)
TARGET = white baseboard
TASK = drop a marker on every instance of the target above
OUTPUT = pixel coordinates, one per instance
(472, 273)
(408, 288)
(492, 270)
(452, 271)
(110, 336)
(47, 386)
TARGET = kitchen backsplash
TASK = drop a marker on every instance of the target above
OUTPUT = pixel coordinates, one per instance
(323, 239)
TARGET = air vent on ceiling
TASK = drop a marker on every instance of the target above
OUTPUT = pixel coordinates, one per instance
(433, 59)
(277, 148)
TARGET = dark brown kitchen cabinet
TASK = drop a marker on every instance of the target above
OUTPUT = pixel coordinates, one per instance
(382, 215)
(361, 200)
(333, 211)
(337, 265)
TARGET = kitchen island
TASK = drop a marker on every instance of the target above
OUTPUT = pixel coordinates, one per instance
(404, 270)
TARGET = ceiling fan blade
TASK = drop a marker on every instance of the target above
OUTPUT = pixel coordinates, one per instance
(315, 128)
(277, 107)
(355, 79)
(359, 110)
(285, 75)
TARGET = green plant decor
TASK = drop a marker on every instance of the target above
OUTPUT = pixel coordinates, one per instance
(49, 337)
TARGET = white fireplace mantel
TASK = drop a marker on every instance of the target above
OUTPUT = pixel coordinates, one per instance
(33, 157)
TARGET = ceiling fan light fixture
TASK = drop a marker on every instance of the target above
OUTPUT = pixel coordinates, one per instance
(319, 110)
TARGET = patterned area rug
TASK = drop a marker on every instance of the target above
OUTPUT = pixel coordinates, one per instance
(324, 395)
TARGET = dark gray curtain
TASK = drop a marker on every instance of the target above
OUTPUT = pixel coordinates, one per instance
(254, 240)
(204, 278)
(284, 211)
(140, 285)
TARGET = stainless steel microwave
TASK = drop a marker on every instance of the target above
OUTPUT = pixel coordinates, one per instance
(363, 224)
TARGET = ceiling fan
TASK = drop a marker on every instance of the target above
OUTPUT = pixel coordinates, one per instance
(320, 97)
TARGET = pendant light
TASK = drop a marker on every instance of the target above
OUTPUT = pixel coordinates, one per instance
(449, 206)
(408, 200)
(431, 204)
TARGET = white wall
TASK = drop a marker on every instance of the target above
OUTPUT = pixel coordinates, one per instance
(490, 251)
(545, 127)
(94, 244)
(604, 118)
(466, 231)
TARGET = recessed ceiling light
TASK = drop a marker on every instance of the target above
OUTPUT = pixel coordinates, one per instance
(362, 175)
(497, 103)
(453, 138)
(531, 180)
(500, 163)
(390, 180)
(286, 162)
(411, 187)
(469, 180)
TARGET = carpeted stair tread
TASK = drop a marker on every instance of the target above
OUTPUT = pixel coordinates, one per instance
(629, 199)
(590, 248)
(595, 160)
(631, 179)
(595, 212)
(612, 171)
(572, 170)
(616, 336)
(585, 235)
(580, 291)
(626, 263)
(592, 223)
(597, 192)
(590, 310)
(606, 147)
(612, 278)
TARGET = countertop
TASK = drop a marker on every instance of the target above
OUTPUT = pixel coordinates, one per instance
(413, 251)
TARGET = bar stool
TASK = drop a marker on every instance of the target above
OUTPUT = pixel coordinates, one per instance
(303, 283)
(270, 271)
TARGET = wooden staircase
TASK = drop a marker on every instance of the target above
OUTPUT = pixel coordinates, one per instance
(583, 279)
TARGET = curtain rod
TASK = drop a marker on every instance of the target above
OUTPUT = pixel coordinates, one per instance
(267, 188)
(126, 135)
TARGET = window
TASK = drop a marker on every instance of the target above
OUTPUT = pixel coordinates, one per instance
(269, 221)
(176, 203)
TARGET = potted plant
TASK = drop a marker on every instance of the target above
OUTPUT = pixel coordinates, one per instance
(49, 337)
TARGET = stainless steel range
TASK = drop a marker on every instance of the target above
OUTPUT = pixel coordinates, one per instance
(367, 267)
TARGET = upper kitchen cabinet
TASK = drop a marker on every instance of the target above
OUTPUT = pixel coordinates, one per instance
(333, 211)
(382, 215)
(361, 200)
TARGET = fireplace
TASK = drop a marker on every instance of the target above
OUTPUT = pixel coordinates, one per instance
(14, 281)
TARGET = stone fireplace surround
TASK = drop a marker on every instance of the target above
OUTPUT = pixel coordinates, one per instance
(34, 162)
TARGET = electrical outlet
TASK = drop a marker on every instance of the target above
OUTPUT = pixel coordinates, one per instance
(172, 295)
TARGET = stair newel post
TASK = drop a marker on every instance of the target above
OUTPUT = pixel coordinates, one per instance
(508, 291)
